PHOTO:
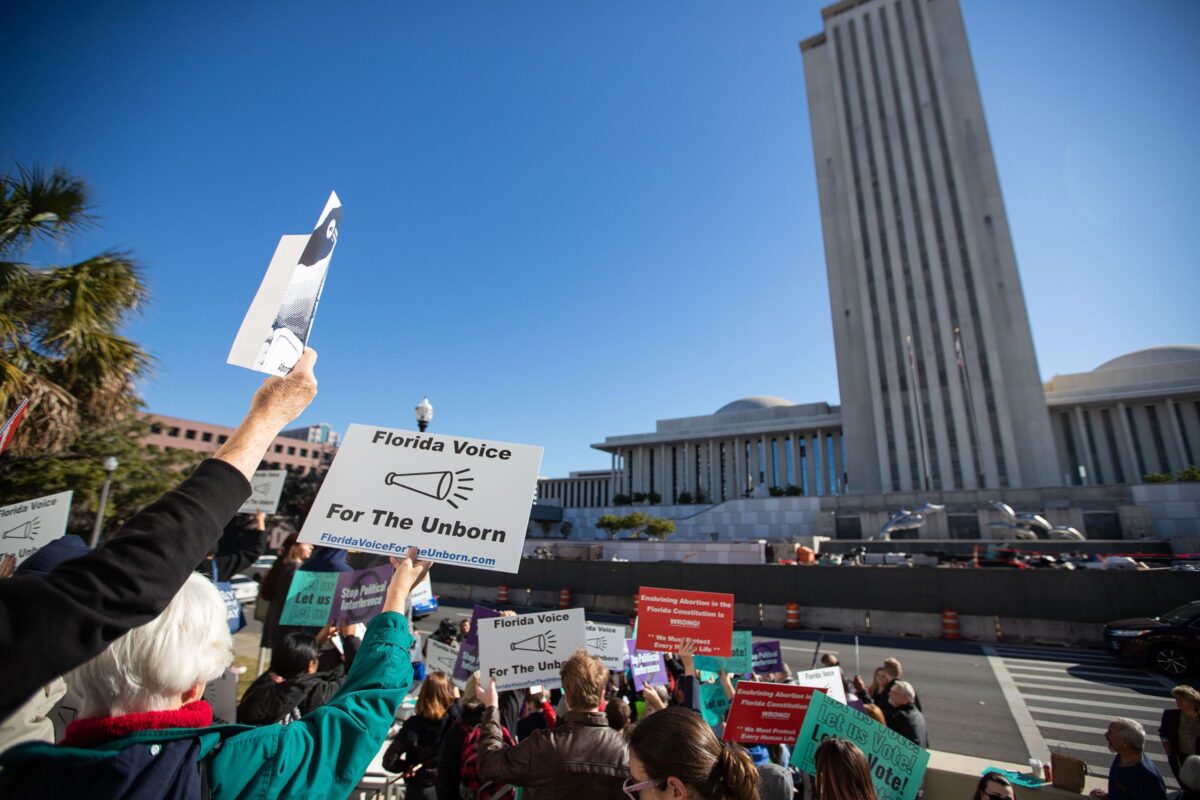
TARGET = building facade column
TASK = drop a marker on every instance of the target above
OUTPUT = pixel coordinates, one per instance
(1084, 446)
(1177, 453)
(1133, 473)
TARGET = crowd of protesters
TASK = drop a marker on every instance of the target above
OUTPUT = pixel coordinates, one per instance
(136, 629)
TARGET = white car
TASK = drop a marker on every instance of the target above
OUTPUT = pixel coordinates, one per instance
(244, 588)
(258, 570)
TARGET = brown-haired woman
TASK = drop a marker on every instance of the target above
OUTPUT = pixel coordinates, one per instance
(674, 754)
(842, 772)
(414, 751)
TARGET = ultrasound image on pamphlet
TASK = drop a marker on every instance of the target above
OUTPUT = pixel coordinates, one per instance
(277, 326)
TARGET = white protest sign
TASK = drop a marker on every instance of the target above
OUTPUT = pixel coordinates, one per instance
(828, 679)
(529, 649)
(276, 327)
(265, 491)
(26, 526)
(414, 652)
(607, 642)
(460, 500)
(441, 656)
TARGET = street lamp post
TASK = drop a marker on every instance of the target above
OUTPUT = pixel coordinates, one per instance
(110, 466)
(424, 412)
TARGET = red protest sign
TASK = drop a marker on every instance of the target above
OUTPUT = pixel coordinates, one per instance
(10, 428)
(667, 616)
(767, 713)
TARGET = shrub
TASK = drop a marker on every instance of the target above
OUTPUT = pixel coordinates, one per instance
(1157, 477)
(621, 500)
(1188, 475)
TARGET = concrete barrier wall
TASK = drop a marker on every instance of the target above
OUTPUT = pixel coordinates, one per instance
(1080, 596)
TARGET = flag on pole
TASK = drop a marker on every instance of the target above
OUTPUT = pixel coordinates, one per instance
(958, 349)
(908, 344)
(10, 427)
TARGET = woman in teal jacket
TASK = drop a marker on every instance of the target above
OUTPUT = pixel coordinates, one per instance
(144, 732)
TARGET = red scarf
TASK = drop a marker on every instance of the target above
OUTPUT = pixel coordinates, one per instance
(98, 730)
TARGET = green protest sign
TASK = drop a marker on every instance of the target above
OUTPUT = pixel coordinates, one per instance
(739, 662)
(897, 765)
(713, 703)
(309, 599)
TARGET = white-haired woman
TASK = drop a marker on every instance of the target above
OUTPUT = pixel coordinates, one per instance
(143, 730)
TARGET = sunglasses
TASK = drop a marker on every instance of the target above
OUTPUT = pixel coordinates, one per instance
(634, 790)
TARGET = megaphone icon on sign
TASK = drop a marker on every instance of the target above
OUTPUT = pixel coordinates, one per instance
(597, 643)
(23, 531)
(538, 643)
(438, 485)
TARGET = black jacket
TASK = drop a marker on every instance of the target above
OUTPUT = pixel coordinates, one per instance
(416, 746)
(909, 722)
(581, 759)
(52, 624)
(267, 702)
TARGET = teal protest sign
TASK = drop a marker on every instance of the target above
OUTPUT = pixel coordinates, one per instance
(739, 662)
(309, 599)
(713, 703)
(897, 765)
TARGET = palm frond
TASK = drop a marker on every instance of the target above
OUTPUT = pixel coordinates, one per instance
(35, 204)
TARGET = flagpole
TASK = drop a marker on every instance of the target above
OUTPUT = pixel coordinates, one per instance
(966, 380)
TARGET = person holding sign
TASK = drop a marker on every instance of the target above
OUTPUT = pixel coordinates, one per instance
(50, 625)
(142, 722)
(842, 771)
(581, 758)
(674, 754)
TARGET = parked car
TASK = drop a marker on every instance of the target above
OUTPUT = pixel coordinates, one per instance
(424, 601)
(1169, 642)
(244, 588)
(260, 568)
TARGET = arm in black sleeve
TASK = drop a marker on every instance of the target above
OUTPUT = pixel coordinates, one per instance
(238, 548)
(52, 624)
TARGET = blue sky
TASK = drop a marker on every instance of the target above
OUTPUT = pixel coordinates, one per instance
(568, 220)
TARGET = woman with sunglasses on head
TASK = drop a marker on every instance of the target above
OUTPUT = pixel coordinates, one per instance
(673, 754)
(994, 786)
(842, 771)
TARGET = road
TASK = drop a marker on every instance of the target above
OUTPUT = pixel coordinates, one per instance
(1003, 702)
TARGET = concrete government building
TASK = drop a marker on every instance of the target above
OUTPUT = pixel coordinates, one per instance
(941, 397)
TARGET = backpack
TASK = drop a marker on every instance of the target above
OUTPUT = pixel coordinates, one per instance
(470, 787)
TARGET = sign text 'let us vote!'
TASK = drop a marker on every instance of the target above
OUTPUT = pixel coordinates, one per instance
(460, 500)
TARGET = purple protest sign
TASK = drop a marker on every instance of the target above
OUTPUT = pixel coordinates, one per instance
(359, 594)
(767, 657)
(468, 651)
(647, 666)
(478, 613)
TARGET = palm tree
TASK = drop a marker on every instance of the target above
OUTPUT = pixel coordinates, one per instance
(59, 340)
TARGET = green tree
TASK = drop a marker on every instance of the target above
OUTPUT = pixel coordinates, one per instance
(144, 474)
(299, 494)
(659, 528)
(610, 524)
(59, 340)
(635, 522)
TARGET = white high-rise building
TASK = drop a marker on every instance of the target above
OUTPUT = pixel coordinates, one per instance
(920, 259)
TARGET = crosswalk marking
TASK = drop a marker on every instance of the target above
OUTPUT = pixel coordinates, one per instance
(1094, 703)
(1071, 697)
(1096, 682)
(1124, 694)
(1106, 718)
